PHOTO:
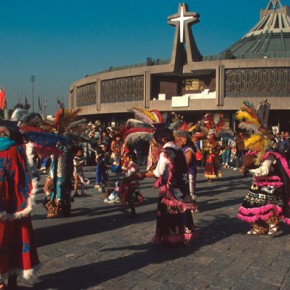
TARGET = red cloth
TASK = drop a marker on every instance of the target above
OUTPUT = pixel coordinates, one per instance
(15, 184)
(198, 155)
(17, 249)
(2, 99)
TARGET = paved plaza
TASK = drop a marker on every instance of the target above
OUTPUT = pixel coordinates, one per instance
(99, 247)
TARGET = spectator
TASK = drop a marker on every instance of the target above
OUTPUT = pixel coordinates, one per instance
(240, 149)
(226, 151)
(93, 133)
(104, 139)
(283, 146)
(78, 174)
(116, 148)
(101, 169)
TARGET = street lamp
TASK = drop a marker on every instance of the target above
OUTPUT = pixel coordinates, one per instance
(32, 79)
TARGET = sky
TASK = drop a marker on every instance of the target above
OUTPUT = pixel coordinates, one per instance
(61, 41)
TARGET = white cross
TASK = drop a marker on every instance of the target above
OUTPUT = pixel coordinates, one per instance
(181, 19)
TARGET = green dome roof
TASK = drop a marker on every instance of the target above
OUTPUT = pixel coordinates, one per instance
(269, 38)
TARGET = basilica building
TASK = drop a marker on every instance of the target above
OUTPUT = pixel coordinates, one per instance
(255, 68)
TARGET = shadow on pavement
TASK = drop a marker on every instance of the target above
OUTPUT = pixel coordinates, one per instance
(93, 274)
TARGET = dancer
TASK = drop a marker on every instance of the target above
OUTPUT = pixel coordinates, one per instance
(68, 124)
(212, 164)
(78, 174)
(174, 219)
(267, 201)
(183, 140)
(129, 183)
(18, 254)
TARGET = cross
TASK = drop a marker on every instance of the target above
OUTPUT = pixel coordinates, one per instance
(181, 19)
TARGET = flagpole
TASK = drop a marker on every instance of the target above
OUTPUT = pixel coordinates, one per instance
(39, 105)
(44, 106)
(32, 78)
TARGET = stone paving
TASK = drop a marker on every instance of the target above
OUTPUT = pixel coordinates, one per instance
(99, 247)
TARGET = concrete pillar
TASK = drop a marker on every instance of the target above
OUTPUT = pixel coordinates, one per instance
(98, 95)
(147, 88)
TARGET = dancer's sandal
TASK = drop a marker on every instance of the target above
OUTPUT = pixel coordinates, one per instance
(253, 232)
(273, 229)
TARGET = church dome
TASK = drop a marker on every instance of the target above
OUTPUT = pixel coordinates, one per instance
(269, 38)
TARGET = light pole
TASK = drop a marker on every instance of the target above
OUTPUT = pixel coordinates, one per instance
(32, 79)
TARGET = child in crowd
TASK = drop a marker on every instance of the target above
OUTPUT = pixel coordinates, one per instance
(101, 171)
(78, 174)
(130, 184)
(112, 195)
(116, 149)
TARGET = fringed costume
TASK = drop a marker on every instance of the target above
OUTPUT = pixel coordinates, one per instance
(213, 123)
(174, 219)
(129, 185)
(268, 198)
(60, 199)
(68, 125)
(18, 254)
(167, 163)
(212, 163)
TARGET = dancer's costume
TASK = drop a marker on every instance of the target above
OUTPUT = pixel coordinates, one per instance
(68, 124)
(174, 218)
(268, 198)
(129, 183)
(174, 224)
(60, 200)
(18, 253)
(212, 164)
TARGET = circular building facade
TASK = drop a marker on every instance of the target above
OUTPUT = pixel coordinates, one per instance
(255, 68)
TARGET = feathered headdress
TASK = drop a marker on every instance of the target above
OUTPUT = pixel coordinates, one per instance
(214, 122)
(146, 116)
(249, 121)
(182, 128)
(68, 122)
(33, 128)
(133, 135)
(142, 126)
(18, 113)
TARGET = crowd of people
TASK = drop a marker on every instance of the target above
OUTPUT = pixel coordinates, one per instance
(169, 149)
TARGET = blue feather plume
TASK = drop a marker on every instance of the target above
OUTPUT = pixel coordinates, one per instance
(46, 138)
